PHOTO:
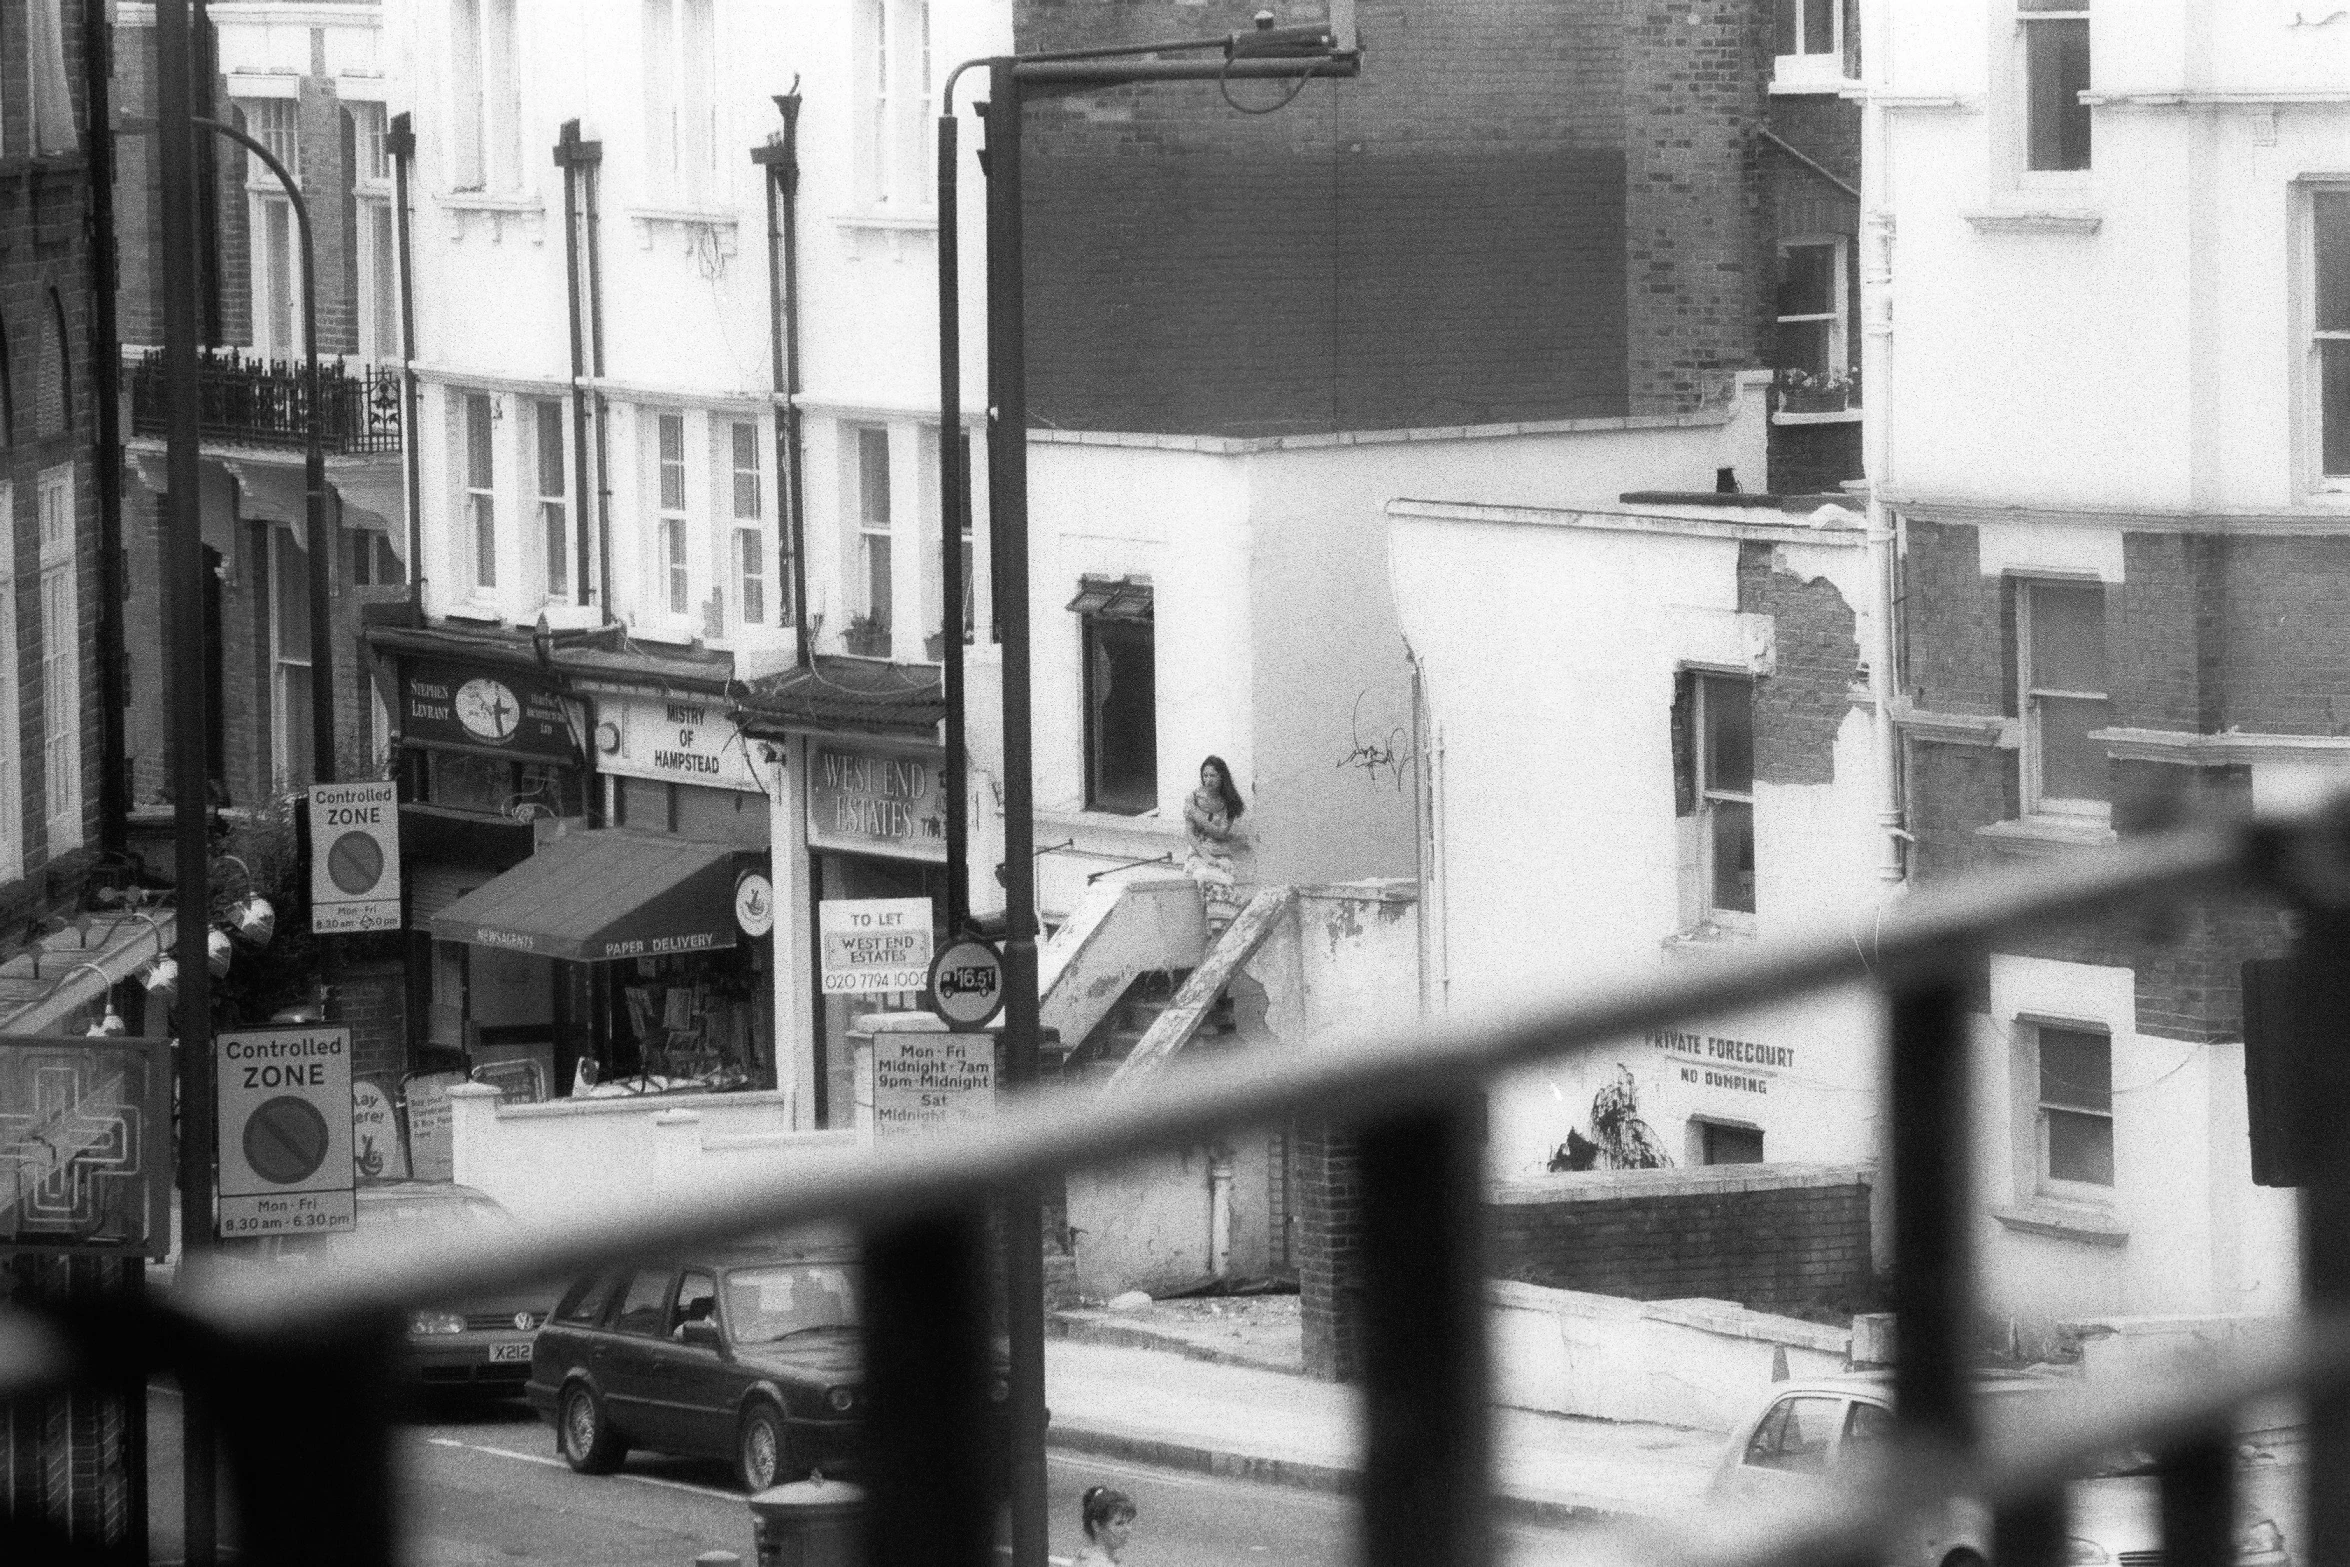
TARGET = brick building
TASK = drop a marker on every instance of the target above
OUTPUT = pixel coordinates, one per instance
(2120, 487)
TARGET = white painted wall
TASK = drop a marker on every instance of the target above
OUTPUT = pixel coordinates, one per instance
(1548, 647)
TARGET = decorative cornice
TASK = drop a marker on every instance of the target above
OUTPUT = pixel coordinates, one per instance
(2233, 748)
(2048, 221)
(1987, 729)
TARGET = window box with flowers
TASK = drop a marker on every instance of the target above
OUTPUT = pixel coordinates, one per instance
(1816, 391)
(866, 636)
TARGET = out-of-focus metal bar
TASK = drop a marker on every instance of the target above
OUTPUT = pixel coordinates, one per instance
(927, 1378)
(2320, 982)
(1426, 1476)
(1926, 1092)
(2198, 1502)
(2029, 1532)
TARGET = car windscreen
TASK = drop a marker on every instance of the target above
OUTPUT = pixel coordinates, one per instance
(768, 1303)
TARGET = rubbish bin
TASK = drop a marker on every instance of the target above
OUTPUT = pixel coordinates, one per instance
(809, 1523)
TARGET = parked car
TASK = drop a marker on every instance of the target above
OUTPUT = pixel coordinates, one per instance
(1808, 1433)
(480, 1344)
(753, 1354)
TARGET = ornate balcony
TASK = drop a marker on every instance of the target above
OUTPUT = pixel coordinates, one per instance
(254, 402)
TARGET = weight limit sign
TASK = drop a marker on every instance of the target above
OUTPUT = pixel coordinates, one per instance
(285, 1131)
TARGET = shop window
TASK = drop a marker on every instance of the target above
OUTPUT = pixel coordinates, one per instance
(2329, 349)
(553, 475)
(673, 583)
(2075, 1070)
(1713, 757)
(1120, 694)
(2056, 123)
(481, 498)
(2060, 664)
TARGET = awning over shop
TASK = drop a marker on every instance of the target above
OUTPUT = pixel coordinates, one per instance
(597, 896)
(847, 696)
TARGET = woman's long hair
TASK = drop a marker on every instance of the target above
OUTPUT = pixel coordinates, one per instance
(1100, 1505)
(1224, 787)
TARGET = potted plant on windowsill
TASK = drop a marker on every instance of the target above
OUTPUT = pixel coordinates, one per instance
(1817, 391)
(867, 636)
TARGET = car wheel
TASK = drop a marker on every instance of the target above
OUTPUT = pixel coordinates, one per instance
(761, 1456)
(585, 1436)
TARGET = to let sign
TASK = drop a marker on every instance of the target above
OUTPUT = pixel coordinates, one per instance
(354, 857)
(877, 802)
(286, 1131)
(873, 945)
(924, 1081)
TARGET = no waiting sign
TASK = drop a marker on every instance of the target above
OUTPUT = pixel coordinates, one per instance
(354, 857)
(285, 1131)
(874, 944)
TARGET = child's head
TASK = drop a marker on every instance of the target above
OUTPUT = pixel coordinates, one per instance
(1106, 1509)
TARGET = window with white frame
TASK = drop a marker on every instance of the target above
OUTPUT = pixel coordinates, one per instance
(552, 474)
(1815, 372)
(2055, 72)
(485, 109)
(2062, 696)
(276, 123)
(673, 575)
(276, 238)
(377, 241)
(681, 101)
(480, 544)
(897, 95)
(2074, 1118)
(371, 155)
(11, 757)
(1714, 768)
(2329, 347)
(61, 660)
(49, 98)
(291, 733)
(746, 535)
(1808, 43)
(876, 582)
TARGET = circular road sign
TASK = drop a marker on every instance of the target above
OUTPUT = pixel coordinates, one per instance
(285, 1139)
(355, 862)
(967, 984)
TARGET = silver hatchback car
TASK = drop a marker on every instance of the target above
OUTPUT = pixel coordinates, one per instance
(1808, 1433)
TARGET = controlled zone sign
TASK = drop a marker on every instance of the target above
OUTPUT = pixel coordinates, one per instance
(354, 857)
(285, 1131)
(874, 945)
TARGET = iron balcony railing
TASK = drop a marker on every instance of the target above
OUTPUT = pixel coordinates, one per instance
(296, 1370)
(256, 402)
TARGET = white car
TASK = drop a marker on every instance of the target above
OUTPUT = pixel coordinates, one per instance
(1808, 1433)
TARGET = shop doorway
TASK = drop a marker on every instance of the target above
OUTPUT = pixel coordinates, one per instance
(861, 876)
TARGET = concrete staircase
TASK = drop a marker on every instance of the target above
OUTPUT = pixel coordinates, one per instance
(1194, 1007)
(1120, 932)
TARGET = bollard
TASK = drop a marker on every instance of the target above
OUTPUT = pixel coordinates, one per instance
(810, 1523)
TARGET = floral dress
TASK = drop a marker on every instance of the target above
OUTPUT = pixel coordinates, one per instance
(1209, 861)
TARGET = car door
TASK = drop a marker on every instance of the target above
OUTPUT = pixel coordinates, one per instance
(1787, 1455)
(702, 1379)
(631, 1366)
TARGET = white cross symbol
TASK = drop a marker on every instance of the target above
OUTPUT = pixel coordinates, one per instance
(74, 1138)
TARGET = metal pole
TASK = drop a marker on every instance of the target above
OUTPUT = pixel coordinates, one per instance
(314, 535)
(1008, 527)
(400, 142)
(953, 503)
(105, 378)
(190, 763)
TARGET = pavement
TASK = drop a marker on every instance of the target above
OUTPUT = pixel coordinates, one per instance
(1227, 1402)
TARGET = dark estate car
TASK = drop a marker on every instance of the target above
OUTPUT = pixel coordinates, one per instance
(480, 1344)
(753, 1354)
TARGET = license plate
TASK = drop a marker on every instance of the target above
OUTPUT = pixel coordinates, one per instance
(509, 1352)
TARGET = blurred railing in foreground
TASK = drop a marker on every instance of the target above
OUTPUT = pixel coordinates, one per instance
(296, 1369)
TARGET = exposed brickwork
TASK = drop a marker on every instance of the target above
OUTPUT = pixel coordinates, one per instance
(1779, 1250)
(371, 999)
(1800, 705)
(1327, 1244)
(63, 1458)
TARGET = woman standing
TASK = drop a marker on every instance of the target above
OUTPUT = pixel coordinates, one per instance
(1109, 1523)
(1212, 813)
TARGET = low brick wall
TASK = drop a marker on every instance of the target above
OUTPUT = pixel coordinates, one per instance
(1777, 1238)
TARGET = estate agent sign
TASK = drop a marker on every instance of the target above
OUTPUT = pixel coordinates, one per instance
(889, 803)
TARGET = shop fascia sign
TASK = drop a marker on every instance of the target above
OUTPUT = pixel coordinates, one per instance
(677, 739)
(1721, 1061)
(890, 803)
(468, 707)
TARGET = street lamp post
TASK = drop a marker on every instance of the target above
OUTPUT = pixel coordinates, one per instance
(1292, 54)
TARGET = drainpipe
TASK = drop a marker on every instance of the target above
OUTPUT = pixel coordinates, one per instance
(106, 375)
(590, 170)
(576, 158)
(400, 143)
(782, 162)
(1220, 1214)
(1876, 260)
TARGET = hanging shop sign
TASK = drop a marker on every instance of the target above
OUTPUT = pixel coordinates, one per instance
(874, 945)
(754, 903)
(1718, 1061)
(685, 740)
(890, 803)
(967, 984)
(922, 1082)
(85, 1146)
(354, 857)
(508, 712)
(285, 1131)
